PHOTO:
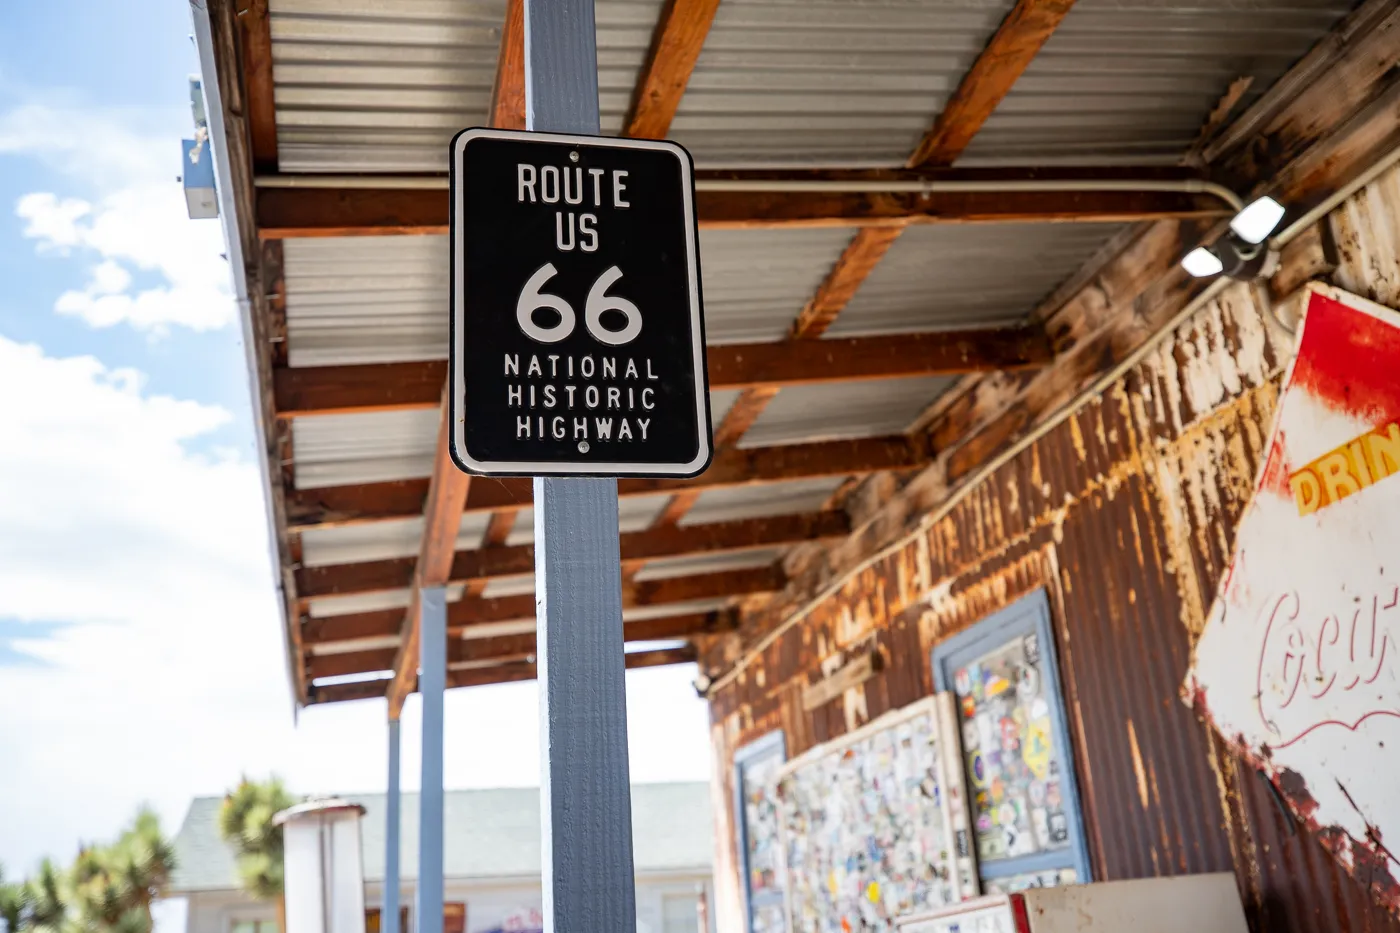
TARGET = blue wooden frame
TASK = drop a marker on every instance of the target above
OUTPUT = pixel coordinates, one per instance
(1031, 614)
(773, 743)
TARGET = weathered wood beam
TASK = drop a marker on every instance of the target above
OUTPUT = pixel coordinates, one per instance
(508, 93)
(442, 519)
(675, 46)
(448, 486)
(501, 648)
(1010, 51)
(255, 28)
(856, 261)
(481, 564)
(312, 212)
(341, 505)
(469, 612)
(502, 673)
(320, 390)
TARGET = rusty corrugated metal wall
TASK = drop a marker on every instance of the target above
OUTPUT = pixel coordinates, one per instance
(1126, 515)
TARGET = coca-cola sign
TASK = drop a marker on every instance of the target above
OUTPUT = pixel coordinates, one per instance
(1299, 660)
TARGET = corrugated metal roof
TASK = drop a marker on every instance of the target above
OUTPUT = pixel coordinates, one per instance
(365, 86)
(756, 281)
(1133, 80)
(843, 410)
(383, 540)
(624, 29)
(375, 299)
(720, 403)
(669, 567)
(827, 81)
(720, 505)
(327, 606)
(938, 277)
(372, 447)
(634, 513)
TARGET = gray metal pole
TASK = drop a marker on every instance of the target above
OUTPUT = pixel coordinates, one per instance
(389, 913)
(432, 680)
(585, 794)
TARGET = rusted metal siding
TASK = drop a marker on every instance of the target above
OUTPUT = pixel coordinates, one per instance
(1125, 514)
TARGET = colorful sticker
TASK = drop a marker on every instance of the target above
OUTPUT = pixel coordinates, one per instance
(977, 770)
(974, 674)
(1035, 751)
(962, 683)
(1039, 708)
(1030, 648)
(993, 684)
(1059, 828)
(1010, 734)
(1028, 683)
(971, 740)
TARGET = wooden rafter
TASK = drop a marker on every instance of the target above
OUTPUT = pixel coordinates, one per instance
(320, 390)
(860, 256)
(464, 652)
(285, 212)
(342, 505)
(448, 486)
(675, 47)
(255, 26)
(474, 613)
(502, 673)
(1010, 51)
(481, 564)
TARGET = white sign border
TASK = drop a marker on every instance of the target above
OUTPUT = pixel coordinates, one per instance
(457, 447)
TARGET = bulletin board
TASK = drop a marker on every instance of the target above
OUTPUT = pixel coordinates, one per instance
(868, 828)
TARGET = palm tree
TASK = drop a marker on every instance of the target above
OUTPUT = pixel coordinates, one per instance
(46, 907)
(245, 822)
(12, 904)
(113, 886)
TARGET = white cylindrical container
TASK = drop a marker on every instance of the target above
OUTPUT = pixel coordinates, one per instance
(325, 875)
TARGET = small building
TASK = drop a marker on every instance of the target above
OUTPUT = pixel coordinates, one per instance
(492, 842)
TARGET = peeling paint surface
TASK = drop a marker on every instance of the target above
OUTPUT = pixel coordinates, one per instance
(1299, 660)
(1126, 515)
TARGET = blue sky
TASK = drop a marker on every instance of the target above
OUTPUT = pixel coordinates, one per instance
(140, 645)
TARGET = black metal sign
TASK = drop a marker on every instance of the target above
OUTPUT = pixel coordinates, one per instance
(578, 346)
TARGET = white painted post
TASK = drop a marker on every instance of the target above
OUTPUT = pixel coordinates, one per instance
(432, 681)
(585, 794)
(389, 911)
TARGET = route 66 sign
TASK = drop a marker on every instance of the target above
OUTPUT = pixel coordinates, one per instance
(578, 344)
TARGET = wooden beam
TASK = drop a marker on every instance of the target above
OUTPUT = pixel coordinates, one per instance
(343, 505)
(323, 390)
(482, 564)
(508, 93)
(856, 262)
(503, 673)
(312, 212)
(255, 27)
(1020, 36)
(442, 519)
(449, 486)
(675, 46)
(500, 648)
(470, 612)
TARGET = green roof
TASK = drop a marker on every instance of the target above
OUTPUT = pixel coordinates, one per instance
(489, 833)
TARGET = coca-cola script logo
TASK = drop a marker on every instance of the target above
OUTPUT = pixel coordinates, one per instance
(1320, 668)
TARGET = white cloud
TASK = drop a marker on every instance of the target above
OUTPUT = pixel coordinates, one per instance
(168, 680)
(135, 220)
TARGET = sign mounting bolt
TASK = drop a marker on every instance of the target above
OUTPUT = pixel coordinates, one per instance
(583, 447)
(573, 156)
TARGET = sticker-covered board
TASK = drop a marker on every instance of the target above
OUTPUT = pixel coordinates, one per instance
(866, 826)
(1299, 661)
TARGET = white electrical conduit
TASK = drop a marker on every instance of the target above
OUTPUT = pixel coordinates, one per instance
(854, 186)
(1101, 385)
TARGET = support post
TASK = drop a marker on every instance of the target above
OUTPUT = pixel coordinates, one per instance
(585, 793)
(389, 911)
(432, 681)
